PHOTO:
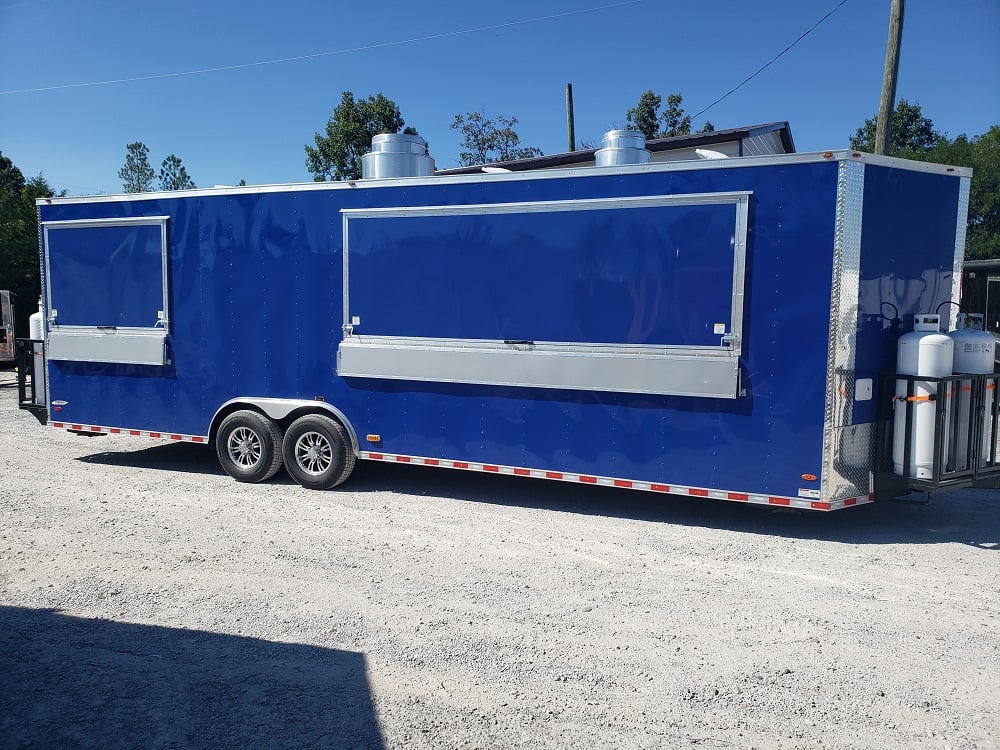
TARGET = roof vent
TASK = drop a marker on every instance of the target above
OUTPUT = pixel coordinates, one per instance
(396, 155)
(622, 147)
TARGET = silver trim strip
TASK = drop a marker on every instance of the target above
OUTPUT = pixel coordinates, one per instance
(961, 225)
(554, 347)
(848, 449)
(122, 222)
(738, 198)
(572, 368)
(533, 174)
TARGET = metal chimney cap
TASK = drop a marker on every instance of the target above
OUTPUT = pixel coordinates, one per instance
(399, 143)
(623, 139)
(620, 147)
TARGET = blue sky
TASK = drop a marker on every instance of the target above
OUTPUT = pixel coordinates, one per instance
(252, 122)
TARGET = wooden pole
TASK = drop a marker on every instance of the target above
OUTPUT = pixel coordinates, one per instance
(883, 128)
(570, 127)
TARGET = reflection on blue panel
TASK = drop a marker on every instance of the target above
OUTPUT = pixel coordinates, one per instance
(106, 276)
(907, 267)
(660, 275)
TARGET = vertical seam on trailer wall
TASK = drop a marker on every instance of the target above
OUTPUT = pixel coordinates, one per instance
(42, 288)
(346, 302)
(961, 222)
(841, 344)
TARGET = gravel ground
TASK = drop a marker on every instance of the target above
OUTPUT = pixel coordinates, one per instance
(148, 600)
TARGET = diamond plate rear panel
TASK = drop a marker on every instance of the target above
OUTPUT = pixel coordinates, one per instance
(960, 226)
(848, 450)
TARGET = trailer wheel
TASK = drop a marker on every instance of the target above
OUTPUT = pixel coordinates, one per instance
(248, 445)
(318, 453)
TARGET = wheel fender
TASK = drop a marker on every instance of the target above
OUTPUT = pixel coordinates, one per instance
(279, 408)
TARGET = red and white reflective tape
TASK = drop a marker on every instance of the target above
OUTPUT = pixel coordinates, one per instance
(673, 489)
(95, 430)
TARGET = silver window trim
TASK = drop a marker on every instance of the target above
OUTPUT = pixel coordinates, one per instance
(161, 221)
(739, 199)
(708, 371)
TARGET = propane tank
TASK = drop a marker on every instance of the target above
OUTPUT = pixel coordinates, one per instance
(36, 331)
(974, 350)
(927, 352)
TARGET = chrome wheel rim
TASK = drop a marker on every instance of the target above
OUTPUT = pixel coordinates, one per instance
(313, 453)
(245, 447)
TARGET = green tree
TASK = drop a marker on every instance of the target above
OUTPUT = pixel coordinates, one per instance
(174, 176)
(19, 264)
(675, 122)
(137, 174)
(348, 136)
(487, 140)
(912, 136)
(982, 153)
(647, 118)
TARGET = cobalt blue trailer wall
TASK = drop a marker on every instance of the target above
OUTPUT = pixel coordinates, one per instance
(900, 243)
(629, 278)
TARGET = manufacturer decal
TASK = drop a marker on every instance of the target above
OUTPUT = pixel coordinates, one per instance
(811, 494)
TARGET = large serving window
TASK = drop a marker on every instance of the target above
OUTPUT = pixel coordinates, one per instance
(639, 295)
(106, 283)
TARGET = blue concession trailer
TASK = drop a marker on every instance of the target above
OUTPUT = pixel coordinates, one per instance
(711, 328)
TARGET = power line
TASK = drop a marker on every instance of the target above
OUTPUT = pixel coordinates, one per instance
(379, 45)
(770, 62)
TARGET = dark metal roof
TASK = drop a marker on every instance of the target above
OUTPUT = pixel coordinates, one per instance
(986, 264)
(656, 145)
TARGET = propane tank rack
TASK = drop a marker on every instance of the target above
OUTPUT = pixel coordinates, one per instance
(29, 396)
(964, 442)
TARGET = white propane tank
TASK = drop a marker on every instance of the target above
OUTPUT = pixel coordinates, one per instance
(36, 331)
(974, 350)
(926, 352)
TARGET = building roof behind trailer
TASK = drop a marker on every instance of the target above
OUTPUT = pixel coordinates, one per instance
(754, 140)
(983, 264)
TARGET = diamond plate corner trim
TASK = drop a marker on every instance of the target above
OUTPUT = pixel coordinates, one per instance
(961, 222)
(843, 477)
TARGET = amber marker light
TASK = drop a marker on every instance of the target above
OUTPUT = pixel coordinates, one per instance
(809, 477)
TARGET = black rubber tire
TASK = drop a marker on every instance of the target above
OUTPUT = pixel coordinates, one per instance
(318, 453)
(248, 445)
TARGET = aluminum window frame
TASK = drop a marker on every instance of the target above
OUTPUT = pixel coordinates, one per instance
(363, 355)
(144, 345)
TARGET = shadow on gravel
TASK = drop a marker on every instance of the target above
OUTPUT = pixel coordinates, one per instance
(74, 682)
(187, 457)
(963, 516)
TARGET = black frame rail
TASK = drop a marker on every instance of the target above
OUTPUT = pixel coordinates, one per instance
(27, 382)
(965, 437)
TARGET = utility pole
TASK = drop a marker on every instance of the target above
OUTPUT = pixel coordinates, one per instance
(570, 127)
(883, 128)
